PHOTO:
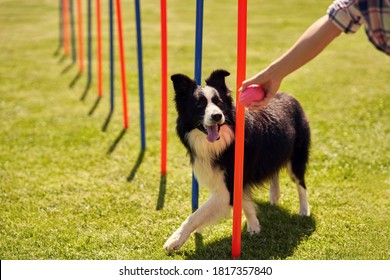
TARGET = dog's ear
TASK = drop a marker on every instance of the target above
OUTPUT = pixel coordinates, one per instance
(217, 81)
(183, 85)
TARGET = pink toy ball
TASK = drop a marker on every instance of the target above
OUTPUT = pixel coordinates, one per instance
(253, 93)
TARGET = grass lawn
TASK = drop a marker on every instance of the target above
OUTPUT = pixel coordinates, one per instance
(72, 191)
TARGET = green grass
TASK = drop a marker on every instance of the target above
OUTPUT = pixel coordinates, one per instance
(65, 196)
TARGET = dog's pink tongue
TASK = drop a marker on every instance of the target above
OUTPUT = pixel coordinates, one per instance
(212, 133)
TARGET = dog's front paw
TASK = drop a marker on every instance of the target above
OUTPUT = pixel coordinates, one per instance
(174, 242)
(304, 212)
(253, 227)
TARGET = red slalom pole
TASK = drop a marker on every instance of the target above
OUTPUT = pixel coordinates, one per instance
(164, 86)
(66, 31)
(99, 47)
(122, 61)
(240, 130)
(80, 31)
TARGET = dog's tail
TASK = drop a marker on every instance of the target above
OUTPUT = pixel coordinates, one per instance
(300, 156)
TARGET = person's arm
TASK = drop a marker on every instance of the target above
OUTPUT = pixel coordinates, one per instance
(308, 46)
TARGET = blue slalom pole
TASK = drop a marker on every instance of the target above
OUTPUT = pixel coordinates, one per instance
(73, 31)
(89, 42)
(198, 78)
(111, 15)
(140, 73)
(198, 41)
(61, 18)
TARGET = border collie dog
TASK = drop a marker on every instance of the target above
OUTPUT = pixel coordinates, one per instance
(275, 137)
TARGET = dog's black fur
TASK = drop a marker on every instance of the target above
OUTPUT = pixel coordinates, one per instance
(275, 137)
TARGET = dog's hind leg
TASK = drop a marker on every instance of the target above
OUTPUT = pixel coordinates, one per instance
(303, 201)
(214, 209)
(274, 191)
(249, 207)
(301, 187)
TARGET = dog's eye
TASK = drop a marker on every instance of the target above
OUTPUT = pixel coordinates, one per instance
(217, 101)
(201, 102)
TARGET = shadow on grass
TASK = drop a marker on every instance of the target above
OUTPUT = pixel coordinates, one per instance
(112, 148)
(136, 166)
(67, 68)
(107, 121)
(62, 58)
(280, 235)
(162, 191)
(95, 105)
(75, 79)
(86, 89)
(57, 51)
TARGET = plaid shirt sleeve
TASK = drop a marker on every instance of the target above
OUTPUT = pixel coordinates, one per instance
(349, 15)
(345, 16)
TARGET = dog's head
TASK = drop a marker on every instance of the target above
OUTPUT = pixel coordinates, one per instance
(205, 107)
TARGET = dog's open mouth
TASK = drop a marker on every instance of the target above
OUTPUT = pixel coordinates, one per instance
(213, 132)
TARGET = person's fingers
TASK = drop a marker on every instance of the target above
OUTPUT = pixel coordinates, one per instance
(256, 79)
(245, 84)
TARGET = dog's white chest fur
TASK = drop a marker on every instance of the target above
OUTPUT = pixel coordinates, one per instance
(206, 174)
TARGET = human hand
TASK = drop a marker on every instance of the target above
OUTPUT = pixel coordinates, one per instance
(269, 85)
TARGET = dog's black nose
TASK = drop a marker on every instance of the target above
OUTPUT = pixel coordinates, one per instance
(216, 117)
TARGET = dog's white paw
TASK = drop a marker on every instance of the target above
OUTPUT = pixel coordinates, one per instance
(253, 227)
(304, 212)
(174, 242)
(304, 209)
(253, 231)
